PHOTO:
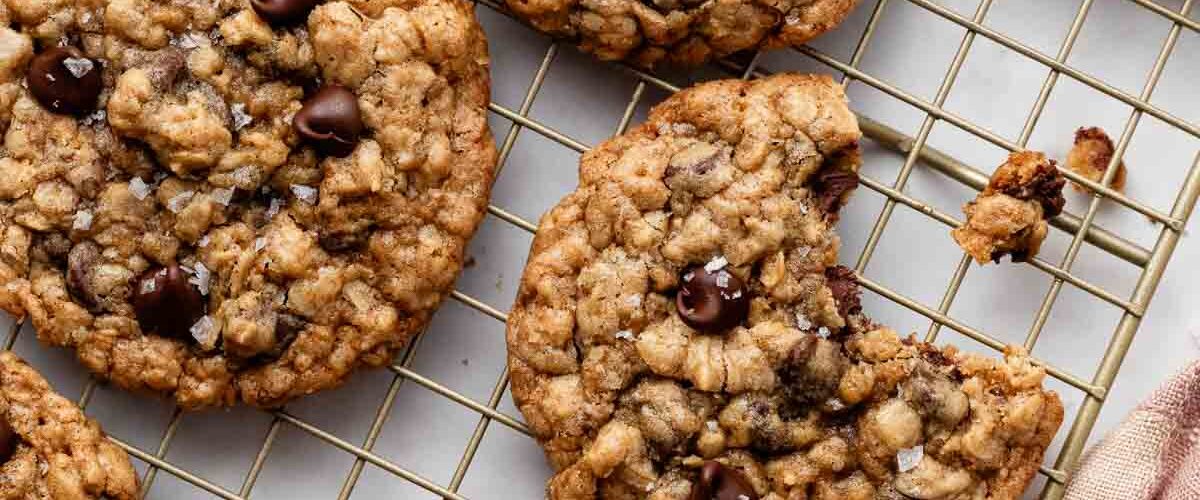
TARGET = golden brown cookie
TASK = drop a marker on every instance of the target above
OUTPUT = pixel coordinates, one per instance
(238, 200)
(681, 32)
(682, 329)
(1089, 157)
(49, 448)
(1009, 215)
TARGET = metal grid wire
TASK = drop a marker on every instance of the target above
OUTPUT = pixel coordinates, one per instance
(1151, 261)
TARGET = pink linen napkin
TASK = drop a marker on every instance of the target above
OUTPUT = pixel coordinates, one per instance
(1154, 454)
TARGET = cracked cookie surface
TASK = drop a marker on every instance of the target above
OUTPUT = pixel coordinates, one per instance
(254, 202)
(49, 449)
(681, 32)
(1009, 215)
(682, 329)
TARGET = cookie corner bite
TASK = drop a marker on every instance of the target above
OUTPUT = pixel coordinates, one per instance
(254, 200)
(682, 329)
(680, 32)
(1009, 216)
(49, 448)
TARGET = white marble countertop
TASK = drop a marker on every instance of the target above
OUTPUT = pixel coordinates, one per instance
(427, 434)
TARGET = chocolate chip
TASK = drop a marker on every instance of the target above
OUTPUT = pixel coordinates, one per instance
(65, 81)
(283, 12)
(331, 121)
(166, 304)
(8, 440)
(1045, 188)
(712, 301)
(718, 482)
(81, 261)
(844, 285)
(831, 185)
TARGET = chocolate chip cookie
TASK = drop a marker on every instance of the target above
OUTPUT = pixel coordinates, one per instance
(237, 200)
(1009, 215)
(49, 448)
(681, 32)
(682, 329)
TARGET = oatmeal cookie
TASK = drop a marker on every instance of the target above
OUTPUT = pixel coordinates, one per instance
(681, 32)
(49, 448)
(682, 329)
(1009, 216)
(1089, 157)
(227, 200)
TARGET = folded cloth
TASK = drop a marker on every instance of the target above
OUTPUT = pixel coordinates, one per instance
(1154, 454)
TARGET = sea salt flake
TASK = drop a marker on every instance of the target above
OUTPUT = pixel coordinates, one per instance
(79, 66)
(802, 321)
(634, 300)
(716, 264)
(625, 335)
(97, 117)
(712, 426)
(743, 497)
(222, 196)
(139, 188)
(203, 241)
(803, 209)
(823, 332)
(240, 117)
(244, 176)
(908, 458)
(204, 331)
(83, 220)
(276, 204)
(260, 243)
(803, 252)
(177, 202)
(200, 278)
(148, 286)
(687, 278)
(305, 193)
(723, 279)
(51, 77)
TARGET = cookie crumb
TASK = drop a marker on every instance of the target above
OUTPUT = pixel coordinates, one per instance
(1089, 157)
(1009, 216)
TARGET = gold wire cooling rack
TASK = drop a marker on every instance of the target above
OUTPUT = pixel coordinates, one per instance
(1151, 261)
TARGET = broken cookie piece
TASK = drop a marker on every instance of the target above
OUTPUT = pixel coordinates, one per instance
(49, 448)
(1009, 216)
(1090, 156)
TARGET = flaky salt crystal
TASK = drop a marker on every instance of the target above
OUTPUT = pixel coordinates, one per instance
(203, 241)
(222, 196)
(97, 117)
(716, 264)
(723, 279)
(634, 300)
(204, 332)
(177, 202)
(260, 243)
(83, 220)
(139, 188)
(687, 278)
(908, 458)
(305, 193)
(79, 66)
(200, 278)
(244, 176)
(276, 204)
(802, 321)
(743, 497)
(823, 332)
(712, 426)
(625, 335)
(240, 117)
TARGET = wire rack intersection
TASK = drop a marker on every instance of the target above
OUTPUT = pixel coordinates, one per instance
(1081, 229)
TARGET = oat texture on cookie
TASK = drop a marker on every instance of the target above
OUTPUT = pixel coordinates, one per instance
(682, 330)
(1009, 215)
(681, 32)
(241, 200)
(49, 448)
